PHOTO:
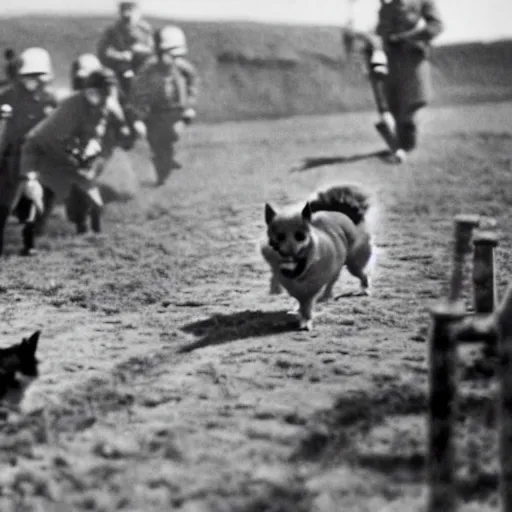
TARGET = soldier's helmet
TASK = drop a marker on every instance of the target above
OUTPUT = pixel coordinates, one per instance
(128, 5)
(103, 80)
(36, 61)
(172, 39)
(86, 64)
(126, 9)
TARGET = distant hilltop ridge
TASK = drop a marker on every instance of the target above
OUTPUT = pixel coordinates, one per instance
(252, 70)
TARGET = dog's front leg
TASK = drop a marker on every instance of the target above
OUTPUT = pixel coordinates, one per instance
(306, 314)
(275, 285)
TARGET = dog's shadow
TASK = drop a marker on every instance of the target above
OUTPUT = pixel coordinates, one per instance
(110, 195)
(311, 163)
(220, 329)
(148, 183)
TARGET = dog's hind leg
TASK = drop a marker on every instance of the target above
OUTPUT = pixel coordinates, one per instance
(364, 280)
(361, 259)
(366, 289)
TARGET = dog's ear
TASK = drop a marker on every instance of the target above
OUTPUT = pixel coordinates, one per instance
(307, 213)
(270, 213)
(31, 343)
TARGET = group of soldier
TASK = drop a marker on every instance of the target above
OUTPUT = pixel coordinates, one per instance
(138, 85)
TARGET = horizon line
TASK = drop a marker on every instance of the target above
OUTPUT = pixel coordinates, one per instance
(50, 13)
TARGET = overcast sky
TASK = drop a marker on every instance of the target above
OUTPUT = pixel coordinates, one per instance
(478, 20)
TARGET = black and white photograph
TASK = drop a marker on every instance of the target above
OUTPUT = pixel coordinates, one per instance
(256, 256)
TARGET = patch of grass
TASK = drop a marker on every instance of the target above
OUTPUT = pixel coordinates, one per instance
(136, 422)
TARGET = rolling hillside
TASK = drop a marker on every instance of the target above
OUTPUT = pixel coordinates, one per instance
(251, 70)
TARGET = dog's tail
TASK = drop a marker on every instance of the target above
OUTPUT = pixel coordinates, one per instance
(350, 200)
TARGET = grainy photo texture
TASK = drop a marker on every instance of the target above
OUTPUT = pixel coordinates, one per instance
(255, 256)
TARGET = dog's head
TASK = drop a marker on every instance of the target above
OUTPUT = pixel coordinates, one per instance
(26, 352)
(289, 234)
(18, 369)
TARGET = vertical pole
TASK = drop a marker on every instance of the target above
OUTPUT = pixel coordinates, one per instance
(443, 378)
(464, 225)
(484, 281)
(484, 272)
(442, 408)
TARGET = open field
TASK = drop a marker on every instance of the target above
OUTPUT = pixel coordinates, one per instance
(170, 380)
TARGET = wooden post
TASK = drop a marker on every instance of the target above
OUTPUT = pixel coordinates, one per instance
(464, 225)
(484, 271)
(484, 282)
(442, 407)
(443, 377)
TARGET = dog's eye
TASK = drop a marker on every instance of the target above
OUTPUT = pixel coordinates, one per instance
(300, 236)
(281, 237)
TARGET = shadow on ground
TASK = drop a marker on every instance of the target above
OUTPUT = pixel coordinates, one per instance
(109, 194)
(311, 163)
(219, 329)
(363, 430)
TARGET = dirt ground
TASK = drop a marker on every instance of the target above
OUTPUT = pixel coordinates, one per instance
(171, 380)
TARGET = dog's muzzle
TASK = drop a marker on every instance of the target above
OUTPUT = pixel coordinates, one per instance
(293, 269)
(291, 266)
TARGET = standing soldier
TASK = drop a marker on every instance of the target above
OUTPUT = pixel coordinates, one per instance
(163, 97)
(126, 45)
(62, 149)
(26, 102)
(405, 30)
